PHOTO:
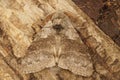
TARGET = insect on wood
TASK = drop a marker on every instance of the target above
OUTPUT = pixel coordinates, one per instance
(57, 44)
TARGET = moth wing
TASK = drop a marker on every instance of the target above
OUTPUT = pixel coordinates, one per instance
(39, 57)
(74, 60)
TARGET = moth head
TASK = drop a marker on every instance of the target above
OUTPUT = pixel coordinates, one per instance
(58, 27)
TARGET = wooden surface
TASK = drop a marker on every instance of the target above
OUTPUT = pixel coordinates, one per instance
(21, 20)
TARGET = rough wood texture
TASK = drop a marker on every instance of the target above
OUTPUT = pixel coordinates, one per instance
(105, 13)
(22, 22)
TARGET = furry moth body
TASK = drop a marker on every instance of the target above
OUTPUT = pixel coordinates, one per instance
(57, 44)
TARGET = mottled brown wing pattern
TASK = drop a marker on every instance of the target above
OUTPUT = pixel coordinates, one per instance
(58, 44)
(39, 57)
(75, 58)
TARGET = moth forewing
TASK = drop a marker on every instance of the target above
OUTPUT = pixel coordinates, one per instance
(40, 56)
(58, 42)
(74, 57)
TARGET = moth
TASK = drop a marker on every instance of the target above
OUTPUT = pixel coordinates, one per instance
(57, 44)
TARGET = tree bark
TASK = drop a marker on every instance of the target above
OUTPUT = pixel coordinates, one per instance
(22, 20)
(105, 14)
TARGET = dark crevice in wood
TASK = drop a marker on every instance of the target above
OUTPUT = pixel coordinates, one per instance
(104, 13)
(32, 77)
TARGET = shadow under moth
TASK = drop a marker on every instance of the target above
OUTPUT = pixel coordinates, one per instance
(57, 44)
